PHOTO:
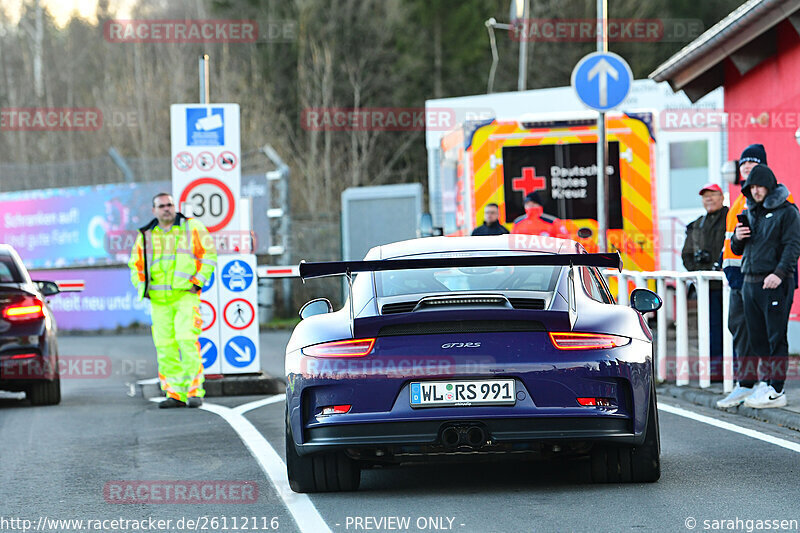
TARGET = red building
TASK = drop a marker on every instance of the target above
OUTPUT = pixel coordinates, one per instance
(754, 54)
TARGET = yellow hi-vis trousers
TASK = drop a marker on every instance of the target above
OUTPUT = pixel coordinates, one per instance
(176, 327)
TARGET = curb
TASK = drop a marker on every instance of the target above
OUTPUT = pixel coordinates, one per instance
(244, 385)
(780, 417)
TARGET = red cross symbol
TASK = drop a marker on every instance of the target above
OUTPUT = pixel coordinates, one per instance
(529, 182)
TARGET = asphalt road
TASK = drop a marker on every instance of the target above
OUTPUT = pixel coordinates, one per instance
(80, 461)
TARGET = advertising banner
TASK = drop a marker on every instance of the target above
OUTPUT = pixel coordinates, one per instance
(108, 300)
(86, 226)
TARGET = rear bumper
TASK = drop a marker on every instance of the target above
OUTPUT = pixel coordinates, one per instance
(548, 385)
(499, 431)
(22, 365)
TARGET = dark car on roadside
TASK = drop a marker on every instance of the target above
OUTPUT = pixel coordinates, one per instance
(28, 346)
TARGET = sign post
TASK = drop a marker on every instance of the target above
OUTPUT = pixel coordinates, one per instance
(602, 80)
(206, 183)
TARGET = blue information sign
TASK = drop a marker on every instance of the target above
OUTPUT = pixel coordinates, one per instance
(205, 126)
(237, 276)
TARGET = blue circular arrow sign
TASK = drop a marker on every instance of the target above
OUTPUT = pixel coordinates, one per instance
(209, 283)
(208, 351)
(240, 351)
(602, 80)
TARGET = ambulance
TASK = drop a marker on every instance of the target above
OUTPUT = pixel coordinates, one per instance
(506, 145)
(501, 161)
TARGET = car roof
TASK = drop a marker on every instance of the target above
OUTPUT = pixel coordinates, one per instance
(500, 243)
(6, 249)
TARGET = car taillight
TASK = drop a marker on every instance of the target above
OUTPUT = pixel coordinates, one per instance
(334, 410)
(29, 308)
(349, 348)
(587, 341)
(599, 402)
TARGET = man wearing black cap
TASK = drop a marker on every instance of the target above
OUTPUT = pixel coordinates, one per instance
(536, 222)
(769, 245)
(491, 223)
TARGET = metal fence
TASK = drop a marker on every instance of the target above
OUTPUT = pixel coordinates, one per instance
(681, 281)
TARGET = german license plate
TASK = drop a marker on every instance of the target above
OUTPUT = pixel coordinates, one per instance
(462, 393)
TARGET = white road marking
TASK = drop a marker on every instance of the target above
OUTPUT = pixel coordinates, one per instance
(303, 511)
(789, 445)
(242, 409)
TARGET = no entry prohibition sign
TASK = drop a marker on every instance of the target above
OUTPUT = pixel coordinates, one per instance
(212, 202)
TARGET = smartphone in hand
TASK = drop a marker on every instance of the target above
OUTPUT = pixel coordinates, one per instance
(742, 218)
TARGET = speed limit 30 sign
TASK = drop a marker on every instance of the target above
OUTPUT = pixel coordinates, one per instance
(211, 201)
(206, 176)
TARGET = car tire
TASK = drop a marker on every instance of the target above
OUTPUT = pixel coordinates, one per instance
(611, 464)
(45, 392)
(323, 472)
(624, 464)
(646, 458)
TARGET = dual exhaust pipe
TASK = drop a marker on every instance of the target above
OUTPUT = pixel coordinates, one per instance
(473, 436)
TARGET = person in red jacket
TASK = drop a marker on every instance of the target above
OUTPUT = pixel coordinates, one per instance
(536, 222)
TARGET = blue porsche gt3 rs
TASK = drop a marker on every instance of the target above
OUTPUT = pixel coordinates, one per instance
(451, 347)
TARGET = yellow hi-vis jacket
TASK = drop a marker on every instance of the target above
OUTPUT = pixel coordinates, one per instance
(189, 250)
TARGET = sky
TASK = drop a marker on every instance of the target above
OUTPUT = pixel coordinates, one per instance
(62, 10)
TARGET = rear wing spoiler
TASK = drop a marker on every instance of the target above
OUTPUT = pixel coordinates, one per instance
(347, 268)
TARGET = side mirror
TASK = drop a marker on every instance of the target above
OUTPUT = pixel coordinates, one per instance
(320, 306)
(645, 300)
(47, 288)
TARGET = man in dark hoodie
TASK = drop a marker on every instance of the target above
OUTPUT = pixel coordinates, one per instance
(746, 376)
(491, 223)
(769, 245)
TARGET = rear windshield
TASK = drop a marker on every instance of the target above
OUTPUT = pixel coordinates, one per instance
(9, 273)
(472, 279)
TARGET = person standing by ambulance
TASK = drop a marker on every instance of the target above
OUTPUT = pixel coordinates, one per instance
(172, 259)
(536, 222)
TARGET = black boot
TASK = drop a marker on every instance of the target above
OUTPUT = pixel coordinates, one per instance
(171, 402)
(194, 401)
